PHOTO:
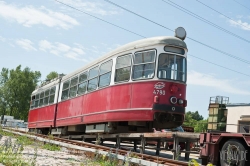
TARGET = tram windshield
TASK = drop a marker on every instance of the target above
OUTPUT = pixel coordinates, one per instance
(172, 67)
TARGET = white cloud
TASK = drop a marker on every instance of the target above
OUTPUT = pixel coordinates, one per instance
(78, 51)
(72, 55)
(29, 16)
(240, 24)
(55, 52)
(79, 45)
(60, 49)
(92, 7)
(75, 56)
(196, 78)
(44, 45)
(2, 39)
(25, 44)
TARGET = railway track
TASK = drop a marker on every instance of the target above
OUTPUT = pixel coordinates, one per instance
(137, 157)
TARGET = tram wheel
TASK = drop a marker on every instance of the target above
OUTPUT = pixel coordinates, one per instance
(234, 153)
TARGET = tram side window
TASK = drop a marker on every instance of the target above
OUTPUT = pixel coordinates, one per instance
(93, 79)
(73, 87)
(41, 99)
(144, 64)
(52, 95)
(122, 68)
(37, 101)
(46, 97)
(105, 74)
(82, 86)
(172, 67)
(32, 104)
(65, 90)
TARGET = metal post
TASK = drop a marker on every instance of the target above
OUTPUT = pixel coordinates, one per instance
(97, 140)
(101, 141)
(187, 149)
(175, 147)
(118, 141)
(142, 149)
(135, 145)
(83, 139)
(158, 147)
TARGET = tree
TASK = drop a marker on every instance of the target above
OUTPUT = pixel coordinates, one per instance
(195, 115)
(195, 120)
(189, 121)
(51, 76)
(201, 126)
(15, 90)
(3, 102)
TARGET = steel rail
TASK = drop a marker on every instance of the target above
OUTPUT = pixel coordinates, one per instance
(150, 158)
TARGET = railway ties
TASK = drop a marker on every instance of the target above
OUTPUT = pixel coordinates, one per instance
(144, 138)
(140, 158)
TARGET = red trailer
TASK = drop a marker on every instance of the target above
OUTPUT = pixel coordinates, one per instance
(225, 148)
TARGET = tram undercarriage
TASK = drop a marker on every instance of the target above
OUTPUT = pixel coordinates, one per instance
(162, 120)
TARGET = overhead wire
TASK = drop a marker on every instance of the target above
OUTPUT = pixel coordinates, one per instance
(213, 48)
(219, 65)
(145, 37)
(100, 19)
(204, 20)
(242, 5)
(223, 14)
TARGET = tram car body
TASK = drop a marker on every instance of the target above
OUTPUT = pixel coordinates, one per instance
(137, 87)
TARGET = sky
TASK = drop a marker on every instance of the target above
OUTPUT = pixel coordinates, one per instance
(50, 36)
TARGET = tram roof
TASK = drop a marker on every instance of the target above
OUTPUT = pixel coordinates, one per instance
(48, 84)
(165, 40)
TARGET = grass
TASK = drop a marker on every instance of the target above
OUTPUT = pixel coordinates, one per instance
(11, 152)
(111, 159)
(19, 138)
(193, 162)
(24, 140)
(105, 160)
(51, 147)
(6, 133)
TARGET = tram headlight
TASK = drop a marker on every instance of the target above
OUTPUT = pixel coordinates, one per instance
(180, 33)
(180, 101)
(173, 100)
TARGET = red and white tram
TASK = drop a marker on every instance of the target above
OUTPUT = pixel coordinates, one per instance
(137, 87)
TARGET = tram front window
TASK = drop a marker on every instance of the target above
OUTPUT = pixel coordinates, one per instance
(172, 67)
